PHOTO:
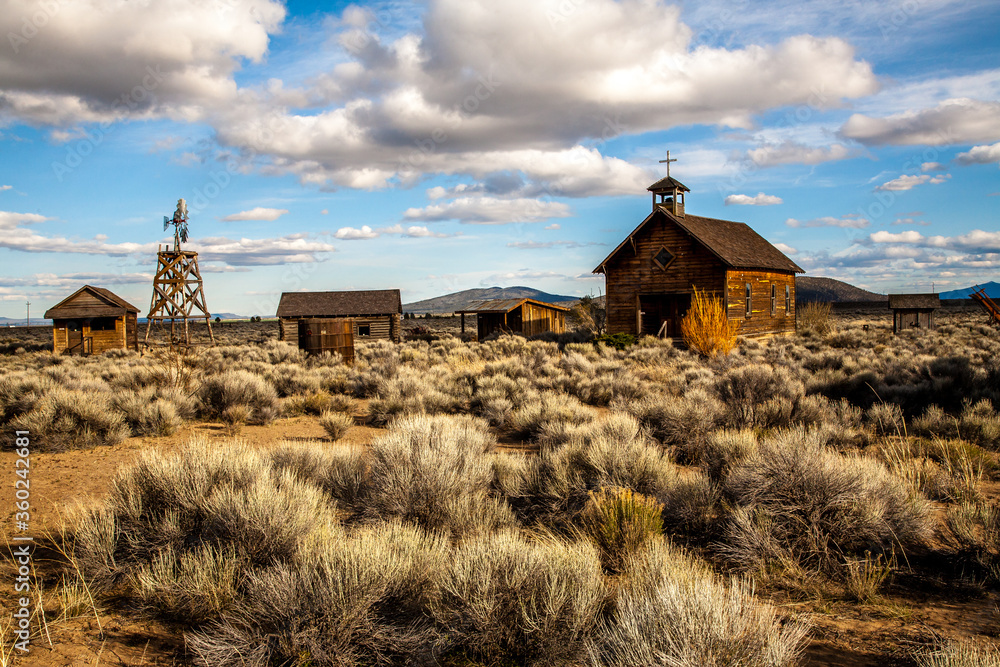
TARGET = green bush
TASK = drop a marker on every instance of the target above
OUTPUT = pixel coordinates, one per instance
(619, 521)
(618, 341)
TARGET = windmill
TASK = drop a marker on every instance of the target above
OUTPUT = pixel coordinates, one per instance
(178, 292)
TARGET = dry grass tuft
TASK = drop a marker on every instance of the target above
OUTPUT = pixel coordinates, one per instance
(336, 424)
(619, 521)
(706, 327)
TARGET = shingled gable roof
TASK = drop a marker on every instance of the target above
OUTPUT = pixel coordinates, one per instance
(914, 301)
(340, 304)
(668, 183)
(734, 243)
(505, 306)
(115, 305)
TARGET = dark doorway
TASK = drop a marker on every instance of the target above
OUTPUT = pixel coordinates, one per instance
(661, 314)
(74, 337)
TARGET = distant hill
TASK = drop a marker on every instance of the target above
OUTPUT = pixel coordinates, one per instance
(19, 321)
(449, 303)
(808, 289)
(992, 289)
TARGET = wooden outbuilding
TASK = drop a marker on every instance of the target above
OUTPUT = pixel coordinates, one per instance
(651, 276)
(522, 316)
(376, 313)
(913, 311)
(93, 320)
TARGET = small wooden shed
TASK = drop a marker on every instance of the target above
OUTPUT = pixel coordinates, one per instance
(524, 316)
(376, 313)
(93, 320)
(913, 311)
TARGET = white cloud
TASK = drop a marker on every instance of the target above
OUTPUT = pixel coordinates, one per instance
(258, 213)
(94, 61)
(5, 187)
(490, 211)
(980, 155)
(790, 152)
(932, 166)
(11, 220)
(848, 222)
(554, 226)
(413, 231)
(760, 199)
(954, 121)
(787, 249)
(510, 277)
(353, 234)
(906, 182)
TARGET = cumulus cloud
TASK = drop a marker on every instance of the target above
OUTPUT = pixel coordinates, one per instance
(954, 121)
(5, 187)
(490, 211)
(790, 152)
(353, 234)
(785, 248)
(760, 199)
(536, 245)
(292, 248)
(850, 221)
(76, 279)
(906, 182)
(258, 213)
(94, 61)
(554, 226)
(932, 166)
(414, 232)
(980, 155)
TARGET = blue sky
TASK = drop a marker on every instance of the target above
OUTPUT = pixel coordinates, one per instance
(445, 145)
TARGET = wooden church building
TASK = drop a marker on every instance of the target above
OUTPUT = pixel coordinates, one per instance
(652, 274)
(93, 320)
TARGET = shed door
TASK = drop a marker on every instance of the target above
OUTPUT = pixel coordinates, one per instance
(74, 336)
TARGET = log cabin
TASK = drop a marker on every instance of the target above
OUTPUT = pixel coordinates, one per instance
(651, 276)
(93, 320)
(376, 313)
(522, 316)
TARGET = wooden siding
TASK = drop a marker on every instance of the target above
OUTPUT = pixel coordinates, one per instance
(528, 319)
(89, 341)
(633, 273)
(761, 321)
(912, 318)
(384, 327)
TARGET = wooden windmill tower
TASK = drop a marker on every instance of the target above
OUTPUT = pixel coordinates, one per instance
(178, 293)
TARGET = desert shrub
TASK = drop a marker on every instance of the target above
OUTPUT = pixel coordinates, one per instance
(886, 419)
(342, 472)
(203, 495)
(808, 503)
(191, 587)
(349, 599)
(865, 576)
(20, 392)
(411, 392)
(72, 419)
(618, 341)
(619, 521)
(976, 529)
(961, 653)
(505, 600)
(336, 424)
(980, 424)
(672, 610)
(706, 326)
(680, 422)
(222, 392)
(759, 396)
(725, 448)
(935, 422)
(814, 318)
(147, 414)
(436, 471)
(550, 407)
(312, 403)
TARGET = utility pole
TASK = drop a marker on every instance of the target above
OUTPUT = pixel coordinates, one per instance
(27, 318)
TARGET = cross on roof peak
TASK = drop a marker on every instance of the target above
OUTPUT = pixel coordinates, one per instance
(668, 161)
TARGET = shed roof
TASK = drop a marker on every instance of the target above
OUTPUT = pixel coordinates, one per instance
(108, 304)
(505, 306)
(736, 244)
(914, 301)
(340, 304)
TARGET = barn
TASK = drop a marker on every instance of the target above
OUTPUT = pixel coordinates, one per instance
(523, 316)
(376, 313)
(93, 320)
(913, 311)
(651, 276)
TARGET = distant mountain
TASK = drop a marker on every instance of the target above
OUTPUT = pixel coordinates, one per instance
(808, 289)
(992, 290)
(449, 303)
(19, 322)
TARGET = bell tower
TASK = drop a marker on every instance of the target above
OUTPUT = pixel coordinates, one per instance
(670, 191)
